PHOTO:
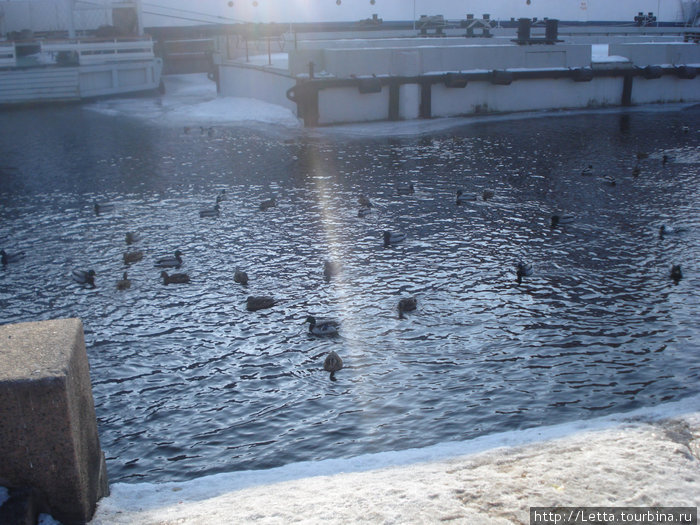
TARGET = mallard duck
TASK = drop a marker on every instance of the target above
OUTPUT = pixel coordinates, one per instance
(322, 326)
(330, 269)
(522, 269)
(176, 278)
(84, 277)
(170, 262)
(270, 203)
(103, 207)
(487, 194)
(124, 283)
(240, 277)
(364, 201)
(405, 189)
(10, 258)
(560, 219)
(676, 273)
(210, 212)
(332, 364)
(407, 304)
(461, 198)
(259, 302)
(132, 257)
(132, 237)
(588, 170)
(393, 238)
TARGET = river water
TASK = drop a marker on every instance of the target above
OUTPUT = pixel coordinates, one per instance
(187, 382)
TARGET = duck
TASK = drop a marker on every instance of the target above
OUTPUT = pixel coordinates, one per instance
(259, 302)
(364, 201)
(322, 326)
(676, 273)
(103, 207)
(393, 238)
(221, 196)
(10, 258)
(668, 230)
(84, 277)
(124, 283)
(461, 199)
(636, 170)
(132, 237)
(363, 212)
(610, 180)
(240, 277)
(405, 189)
(522, 269)
(330, 269)
(332, 364)
(665, 159)
(588, 170)
(269, 203)
(487, 194)
(176, 278)
(132, 257)
(210, 212)
(685, 129)
(170, 262)
(407, 304)
(556, 220)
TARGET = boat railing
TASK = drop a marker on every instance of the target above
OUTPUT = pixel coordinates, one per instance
(8, 54)
(96, 52)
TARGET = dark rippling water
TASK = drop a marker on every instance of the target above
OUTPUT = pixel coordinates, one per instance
(187, 382)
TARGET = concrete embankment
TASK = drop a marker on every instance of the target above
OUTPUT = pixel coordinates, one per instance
(637, 459)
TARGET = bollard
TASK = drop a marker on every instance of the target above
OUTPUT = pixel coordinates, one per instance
(48, 435)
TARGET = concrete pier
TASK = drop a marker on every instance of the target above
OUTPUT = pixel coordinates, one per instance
(48, 436)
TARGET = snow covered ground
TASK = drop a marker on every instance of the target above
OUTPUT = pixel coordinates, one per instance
(649, 457)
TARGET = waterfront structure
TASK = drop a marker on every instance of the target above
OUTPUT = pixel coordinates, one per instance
(54, 51)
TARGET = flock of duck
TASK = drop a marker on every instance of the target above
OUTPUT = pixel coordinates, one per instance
(318, 327)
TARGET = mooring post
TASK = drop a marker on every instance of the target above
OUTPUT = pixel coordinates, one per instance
(48, 437)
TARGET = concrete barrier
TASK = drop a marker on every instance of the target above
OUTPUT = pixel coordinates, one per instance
(48, 436)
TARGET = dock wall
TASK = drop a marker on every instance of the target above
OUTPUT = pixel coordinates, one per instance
(401, 83)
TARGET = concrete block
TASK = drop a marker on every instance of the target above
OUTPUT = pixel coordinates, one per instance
(48, 435)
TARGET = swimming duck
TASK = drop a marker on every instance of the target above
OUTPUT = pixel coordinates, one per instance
(461, 199)
(124, 283)
(610, 180)
(393, 238)
(330, 269)
(132, 257)
(10, 258)
(405, 189)
(407, 304)
(636, 170)
(588, 170)
(170, 262)
(221, 196)
(668, 230)
(84, 277)
(270, 203)
(561, 219)
(332, 364)
(210, 212)
(522, 269)
(322, 326)
(364, 201)
(259, 302)
(176, 278)
(102, 207)
(487, 194)
(132, 237)
(676, 273)
(239, 276)
(665, 159)
(685, 129)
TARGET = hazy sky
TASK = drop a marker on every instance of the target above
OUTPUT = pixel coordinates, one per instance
(350, 10)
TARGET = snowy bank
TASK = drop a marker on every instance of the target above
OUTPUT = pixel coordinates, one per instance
(642, 458)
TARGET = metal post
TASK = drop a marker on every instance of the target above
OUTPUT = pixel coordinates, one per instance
(269, 54)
